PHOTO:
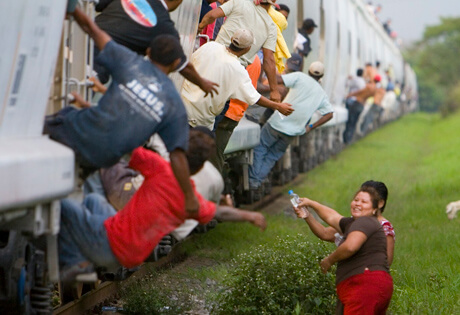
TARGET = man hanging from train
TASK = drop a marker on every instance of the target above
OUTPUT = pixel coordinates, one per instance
(372, 115)
(220, 63)
(356, 108)
(93, 233)
(135, 24)
(306, 96)
(140, 102)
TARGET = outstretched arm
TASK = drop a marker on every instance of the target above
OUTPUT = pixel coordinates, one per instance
(100, 37)
(325, 233)
(284, 108)
(348, 248)
(181, 171)
(210, 17)
(208, 87)
(328, 215)
(226, 213)
(269, 66)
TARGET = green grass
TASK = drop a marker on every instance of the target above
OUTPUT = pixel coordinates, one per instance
(418, 157)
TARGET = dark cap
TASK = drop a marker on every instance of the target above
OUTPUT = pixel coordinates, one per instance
(294, 63)
(284, 8)
(308, 23)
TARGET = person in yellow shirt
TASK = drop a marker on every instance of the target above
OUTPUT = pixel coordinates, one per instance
(281, 50)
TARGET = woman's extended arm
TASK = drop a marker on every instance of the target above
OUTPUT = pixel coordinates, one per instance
(325, 233)
(322, 232)
(328, 215)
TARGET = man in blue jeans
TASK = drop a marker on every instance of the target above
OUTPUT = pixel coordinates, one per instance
(93, 233)
(306, 96)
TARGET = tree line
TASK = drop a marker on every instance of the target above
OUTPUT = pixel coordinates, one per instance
(436, 61)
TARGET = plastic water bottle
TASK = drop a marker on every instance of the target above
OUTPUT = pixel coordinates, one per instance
(295, 202)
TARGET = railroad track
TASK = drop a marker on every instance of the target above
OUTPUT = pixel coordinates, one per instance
(107, 290)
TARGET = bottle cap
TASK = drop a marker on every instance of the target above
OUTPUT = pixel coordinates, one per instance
(290, 192)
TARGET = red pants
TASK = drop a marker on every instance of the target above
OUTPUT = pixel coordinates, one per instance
(366, 293)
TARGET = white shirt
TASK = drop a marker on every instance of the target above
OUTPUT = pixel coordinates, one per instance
(244, 14)
(210, 184)
(214, 62)
(306, 97)
(356, 84)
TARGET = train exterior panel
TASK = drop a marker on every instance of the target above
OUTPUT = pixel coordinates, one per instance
(33, 167)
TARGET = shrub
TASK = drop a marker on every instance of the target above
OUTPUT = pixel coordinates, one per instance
(280, 278)
(452, 104)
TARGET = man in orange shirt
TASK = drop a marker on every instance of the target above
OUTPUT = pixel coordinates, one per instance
(226, 124)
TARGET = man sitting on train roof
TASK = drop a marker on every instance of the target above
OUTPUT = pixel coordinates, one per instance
(141, 101)
(94, 233)
(220, 63)
(135, 24)
(306, 96)
(245, 14)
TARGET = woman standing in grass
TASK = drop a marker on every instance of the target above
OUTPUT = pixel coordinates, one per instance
(364, 284)
(332, 235)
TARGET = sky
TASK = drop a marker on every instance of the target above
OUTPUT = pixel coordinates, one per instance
(410, 17)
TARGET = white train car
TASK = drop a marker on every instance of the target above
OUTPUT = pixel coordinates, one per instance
(44, 53)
